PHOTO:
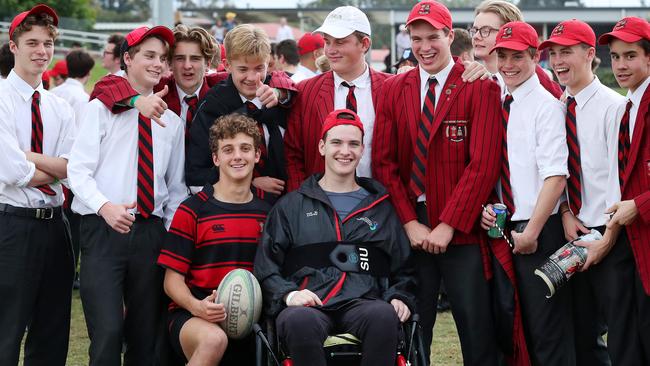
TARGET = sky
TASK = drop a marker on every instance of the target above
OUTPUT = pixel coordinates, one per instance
(292, 3)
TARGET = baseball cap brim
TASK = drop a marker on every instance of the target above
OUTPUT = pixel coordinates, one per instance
(558, 40)
(511, 45)
(334, 31)
(425, 18)
(623, 36)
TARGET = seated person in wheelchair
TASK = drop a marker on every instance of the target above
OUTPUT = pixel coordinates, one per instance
(334, 256)
(228, 213)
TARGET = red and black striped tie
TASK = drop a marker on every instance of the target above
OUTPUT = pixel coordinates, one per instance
(418, 168)
(192, 102)
(350, 100)
(506, 188)
(574, 182)
(624, 143)
(145, 167)
(37, 136)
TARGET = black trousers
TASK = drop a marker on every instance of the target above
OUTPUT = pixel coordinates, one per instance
(461, 268)
(121, 290)
(548, 323)
(36, 272)
(303, 330)
(588, 319)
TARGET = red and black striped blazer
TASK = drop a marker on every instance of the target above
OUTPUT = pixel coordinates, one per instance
(314, 102)
(464, 153)
(112, 89)
(637, 187)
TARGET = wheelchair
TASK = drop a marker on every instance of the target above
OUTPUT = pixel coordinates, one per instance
(340, 349)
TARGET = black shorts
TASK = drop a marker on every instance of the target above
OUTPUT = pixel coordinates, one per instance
(239, 352)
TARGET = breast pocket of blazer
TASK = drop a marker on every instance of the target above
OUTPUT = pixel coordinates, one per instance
(455, 133)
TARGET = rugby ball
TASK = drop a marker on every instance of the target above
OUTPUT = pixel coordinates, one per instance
(241, 295)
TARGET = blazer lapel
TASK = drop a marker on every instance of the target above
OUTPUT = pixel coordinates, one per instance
(204, 88)
(412, 104)
(173, 99)
(450, 91)
(325, 104)
(374, 87)
(639, 126)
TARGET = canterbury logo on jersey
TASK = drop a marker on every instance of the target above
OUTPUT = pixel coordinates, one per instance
(218, 228)
(311, 213)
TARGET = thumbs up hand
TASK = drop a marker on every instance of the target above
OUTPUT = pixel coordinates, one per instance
(267, 95)
(153, 106)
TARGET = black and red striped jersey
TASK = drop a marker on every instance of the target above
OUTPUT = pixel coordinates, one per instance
(209, 238)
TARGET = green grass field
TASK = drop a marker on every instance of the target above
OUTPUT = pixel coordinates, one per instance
(445, 349)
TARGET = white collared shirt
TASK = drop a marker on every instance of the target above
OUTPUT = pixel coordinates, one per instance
(597, 108)
(73, 92)
(120, 72)
(302, 73)
(537, 146)
(441, 79)
(16, 137)
(103, 163)
(365, 110)
(184, 106)
(636, 100)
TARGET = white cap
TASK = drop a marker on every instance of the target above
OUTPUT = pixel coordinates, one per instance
(343, 21)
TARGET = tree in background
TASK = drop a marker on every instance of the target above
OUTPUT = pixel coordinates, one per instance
(71, 11)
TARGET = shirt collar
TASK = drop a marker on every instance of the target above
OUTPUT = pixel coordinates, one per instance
(525, 88)
(182, 95)
(306, 71)
(74, 83)
(363, 81)
(24, 90)
(638, 93)
(585, 94)
(441, 76)
(256, 101)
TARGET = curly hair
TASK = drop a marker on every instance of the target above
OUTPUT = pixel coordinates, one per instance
(228, 126)
(198, 35)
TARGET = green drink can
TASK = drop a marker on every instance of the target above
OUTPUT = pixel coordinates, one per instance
(497, 230)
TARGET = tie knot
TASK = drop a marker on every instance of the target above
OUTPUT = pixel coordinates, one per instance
(570, 100)
(629, 105)
(345, 84)
(251, 106)
(433, 82)
(191, 100)
(508, 100)
(36, 97)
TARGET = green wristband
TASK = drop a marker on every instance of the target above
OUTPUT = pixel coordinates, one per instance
(133, 99)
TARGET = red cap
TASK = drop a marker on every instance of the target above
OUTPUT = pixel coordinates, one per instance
(628, 29)
(570, 33)
(60, 68)
(38, 9)
(516, 36)
(138, 35)
(431, 12)
(333, 120)
(310, 42)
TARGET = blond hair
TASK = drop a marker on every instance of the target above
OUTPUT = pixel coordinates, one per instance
(247, 41)
(508, 12)
(198, 35)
